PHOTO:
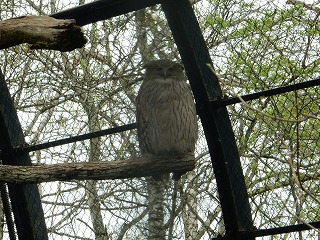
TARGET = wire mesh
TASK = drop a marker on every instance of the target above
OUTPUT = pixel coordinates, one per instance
(262, 49)
(254, 46)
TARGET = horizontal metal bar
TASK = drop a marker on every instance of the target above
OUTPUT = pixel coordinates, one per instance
(102, 9)
(275, 91)
(273, 231)
(19, 150)
(279, 230)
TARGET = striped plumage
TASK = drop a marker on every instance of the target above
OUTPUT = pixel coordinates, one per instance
(166, 114)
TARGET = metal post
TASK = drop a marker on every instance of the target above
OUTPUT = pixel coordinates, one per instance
(216, 123)
(25, 199)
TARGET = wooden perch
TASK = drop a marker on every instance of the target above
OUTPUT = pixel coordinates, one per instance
(42, 32)
(130, 168)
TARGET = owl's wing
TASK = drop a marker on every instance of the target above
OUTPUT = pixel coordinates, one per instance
(142, 114)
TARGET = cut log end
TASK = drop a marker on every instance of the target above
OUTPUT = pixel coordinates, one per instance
(41, 32)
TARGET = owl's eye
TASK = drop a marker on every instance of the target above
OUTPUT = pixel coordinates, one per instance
(171, 69)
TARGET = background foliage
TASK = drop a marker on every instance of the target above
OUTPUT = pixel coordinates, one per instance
(255, 46)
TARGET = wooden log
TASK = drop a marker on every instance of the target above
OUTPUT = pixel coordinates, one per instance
(130, 168)
(42, 32)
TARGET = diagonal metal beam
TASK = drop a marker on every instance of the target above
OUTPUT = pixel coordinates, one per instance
(216, 123)
(102, 9)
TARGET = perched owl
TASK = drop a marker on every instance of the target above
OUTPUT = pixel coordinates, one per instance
(166, 113)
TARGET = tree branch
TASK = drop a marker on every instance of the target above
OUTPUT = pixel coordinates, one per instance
(130, 168)
(42, 32)
(306, 5)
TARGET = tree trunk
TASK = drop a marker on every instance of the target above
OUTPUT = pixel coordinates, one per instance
(189, 213)
(155, 188)
(94, 155)
(1, 219)
(156, 215)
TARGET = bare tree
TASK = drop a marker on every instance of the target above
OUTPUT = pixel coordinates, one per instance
(254, 46)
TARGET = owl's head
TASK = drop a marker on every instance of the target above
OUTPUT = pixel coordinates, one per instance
(164, 69)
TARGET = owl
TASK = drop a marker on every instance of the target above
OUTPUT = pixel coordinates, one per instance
(166, 113)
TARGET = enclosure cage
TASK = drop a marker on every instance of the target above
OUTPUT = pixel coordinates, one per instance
(253, 68)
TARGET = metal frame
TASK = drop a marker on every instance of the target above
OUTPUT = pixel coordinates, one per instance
(25, 199)
(210, 105)
(102, 9)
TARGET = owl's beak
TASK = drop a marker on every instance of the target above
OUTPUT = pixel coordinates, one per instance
(165, 73)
